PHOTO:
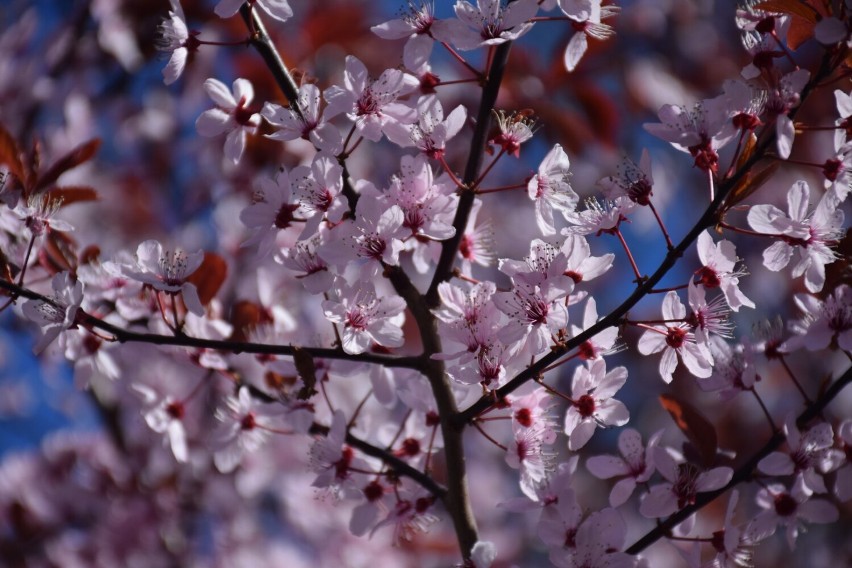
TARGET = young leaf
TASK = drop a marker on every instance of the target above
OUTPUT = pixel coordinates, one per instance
(695, 427)
(209, 277)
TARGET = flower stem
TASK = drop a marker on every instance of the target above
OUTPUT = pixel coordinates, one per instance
(617, 233)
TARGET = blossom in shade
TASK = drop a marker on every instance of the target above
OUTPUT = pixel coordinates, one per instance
(602, 343)
(636, 464)
(232, 115)
(274, 209)
(415, 24)
(527, 454)
(592, 404)
(810, 454)
(809, 236)
(550, 189)
(244, 428)
(60, 313)
(164, 414)
(684, 481)
(633, 180)
(789, 509)
(823, 323)
(175, 37)
(733, 369)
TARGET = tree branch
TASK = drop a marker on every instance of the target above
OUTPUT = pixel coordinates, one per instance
(744, 472)
(125, 336)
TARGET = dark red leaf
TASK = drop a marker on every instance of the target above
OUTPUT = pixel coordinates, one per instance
(68, 194)
(80, 154)
(10, 155)
(695, 427)
(209, 277)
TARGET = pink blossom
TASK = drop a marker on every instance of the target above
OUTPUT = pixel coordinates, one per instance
(599, 218)
(489, 23)
(676, 340)
(167, 272)
(811, 235)
(307, 124)
(366, 319)
(592, 404)
(588, 16)
(733, 369)
(277, 9)
(232, 115)
(550, 189)
(273, 209)
(371, 104)
(526, 453)
(319, 190)
(634, 181)
(683, 483)
(174, 37)
(431, 131)
(602, 343)
(790, 510)
(244, 428)
(164, 415)
(719, 260)
(636, 465)
(823, 323)
(58, 315)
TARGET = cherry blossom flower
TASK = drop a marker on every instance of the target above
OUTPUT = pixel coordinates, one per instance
(684, 482)
(277, 9)
(526, 453)
(701, 131)
(843, 102)
(488, 23)
(782, 99)
(232, 115)
(734, 544)
(94, 366)
(823, 324)
(313, 271)
(415, 24)
(599, 218)
(596, 544)
(707, 317)
(483, 554)
(173, 36)
(811, 235)
(582, 266)
(602, 343)
(274, 208)
(60, 313)
(535, 315)
(675, 340)
(636, 465)
(469, 319)
(366, 515)
(545, 268)
(634, 181)
(371, 104)
(332, 460)
(843, 475)
(168, 272)
(790, 510)
(307, 124)
(410, 516)
(320, 192)
(366, 319)
(588, 16)
(165, 415)
(428, 207)
(809, 456)
(431, 131)
(372, 240)
(38, 215)
(550, 189)
(477, 242)
(838, 173)
(592, 389)
(531, 410)
(244, 429)
(513, 129)
(719, 260)
(733, 369)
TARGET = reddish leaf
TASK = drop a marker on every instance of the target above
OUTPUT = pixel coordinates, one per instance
(10, 154)
(695, 427)
(80, 154)
(244, 316)
(792, 7)
(308, 371)
(209, 277)
(58, 253)
(800, 31)
(750, 183)
(68, 194)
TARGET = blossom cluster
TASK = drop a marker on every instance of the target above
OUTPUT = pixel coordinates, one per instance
(360, 323)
